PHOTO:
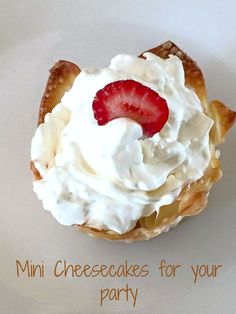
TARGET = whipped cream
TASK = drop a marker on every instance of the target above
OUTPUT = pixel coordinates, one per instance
(110, 176)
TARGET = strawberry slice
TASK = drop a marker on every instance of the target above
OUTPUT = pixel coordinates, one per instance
(131, 99)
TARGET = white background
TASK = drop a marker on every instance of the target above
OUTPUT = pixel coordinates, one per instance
(35, 34)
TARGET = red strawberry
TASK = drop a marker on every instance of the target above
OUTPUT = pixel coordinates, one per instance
(131, 99)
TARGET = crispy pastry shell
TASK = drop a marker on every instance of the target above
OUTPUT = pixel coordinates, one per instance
(193, 197)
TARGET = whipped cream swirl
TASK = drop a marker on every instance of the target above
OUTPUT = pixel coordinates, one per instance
(110, 176)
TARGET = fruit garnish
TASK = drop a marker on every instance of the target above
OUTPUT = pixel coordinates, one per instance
(131, 99)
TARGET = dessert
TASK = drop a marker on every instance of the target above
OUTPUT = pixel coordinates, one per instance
(127, 151)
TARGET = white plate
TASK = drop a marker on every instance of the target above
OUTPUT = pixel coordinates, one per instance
(35, 34)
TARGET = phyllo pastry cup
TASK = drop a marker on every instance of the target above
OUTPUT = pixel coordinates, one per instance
(193, 196)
